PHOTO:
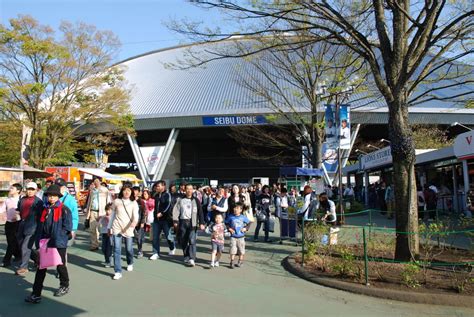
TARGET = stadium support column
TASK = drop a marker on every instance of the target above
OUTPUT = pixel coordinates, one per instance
(465, 173)
(366, 186)
(163, 160)
(139, 159)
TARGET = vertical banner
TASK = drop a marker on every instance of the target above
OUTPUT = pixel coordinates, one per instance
(331, 143)
(344, 127)
(305, 163)
(151, 156)
(25, 145)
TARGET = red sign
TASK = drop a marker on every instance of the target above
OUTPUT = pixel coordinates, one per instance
(58, 172)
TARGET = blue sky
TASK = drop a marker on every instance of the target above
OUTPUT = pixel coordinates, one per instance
(138, 23)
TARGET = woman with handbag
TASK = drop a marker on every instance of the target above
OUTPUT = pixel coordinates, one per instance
(53, 230)
(122, 224)
(263, 213)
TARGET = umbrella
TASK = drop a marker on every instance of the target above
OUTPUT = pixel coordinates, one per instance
(31, 172)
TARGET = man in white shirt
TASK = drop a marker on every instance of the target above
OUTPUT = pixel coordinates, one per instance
(345, 134)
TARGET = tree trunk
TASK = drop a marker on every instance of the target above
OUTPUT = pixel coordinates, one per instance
(317, 155)
(403, 153)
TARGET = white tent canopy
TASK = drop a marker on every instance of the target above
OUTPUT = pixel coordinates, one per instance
(102, 174)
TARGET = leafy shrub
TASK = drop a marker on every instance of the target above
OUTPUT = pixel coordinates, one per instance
(345, 266)
(410, 275)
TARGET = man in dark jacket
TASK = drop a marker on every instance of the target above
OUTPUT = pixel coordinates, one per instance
(187, 217)
(29, 207)
(162, 216)
(54, 224)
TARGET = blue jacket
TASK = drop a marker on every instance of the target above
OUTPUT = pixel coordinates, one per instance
(71, 203)
(28, 226)
(55, 224)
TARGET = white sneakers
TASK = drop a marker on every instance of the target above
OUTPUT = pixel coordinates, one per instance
(191, 263)
(154, 257)
(172, 251)
(118, 275)
(216, 264)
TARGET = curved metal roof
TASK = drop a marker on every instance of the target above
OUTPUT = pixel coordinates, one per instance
(165, 97)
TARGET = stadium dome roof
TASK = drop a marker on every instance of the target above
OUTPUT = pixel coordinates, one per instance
(166, 97)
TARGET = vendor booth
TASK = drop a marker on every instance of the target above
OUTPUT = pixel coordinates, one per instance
(297, 177)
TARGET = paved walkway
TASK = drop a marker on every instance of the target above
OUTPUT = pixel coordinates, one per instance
(166, 288)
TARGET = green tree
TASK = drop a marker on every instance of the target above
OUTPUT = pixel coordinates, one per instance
(414, 50)
(57, 84)
(10, 143)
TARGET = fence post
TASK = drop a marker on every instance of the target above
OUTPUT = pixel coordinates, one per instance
(366, 260)
(302, 241)
(370, 221)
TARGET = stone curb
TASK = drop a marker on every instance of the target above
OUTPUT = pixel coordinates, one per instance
(413, 297)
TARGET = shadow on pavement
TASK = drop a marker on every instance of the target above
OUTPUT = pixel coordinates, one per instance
(13, 291)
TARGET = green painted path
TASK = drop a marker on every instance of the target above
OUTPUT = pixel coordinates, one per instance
(166, 288)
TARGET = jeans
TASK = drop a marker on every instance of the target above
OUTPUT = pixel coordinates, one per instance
(159, 226)
(12, 242)
(62, 271)
(107, 247)
(266, 227)
(118, 251)
(140, 239)
(187, 238)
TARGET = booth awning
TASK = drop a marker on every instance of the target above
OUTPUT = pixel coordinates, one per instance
(31, 172)
(300, 171)
(102, 174)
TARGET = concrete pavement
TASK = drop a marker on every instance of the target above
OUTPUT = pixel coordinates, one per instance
(167, 288)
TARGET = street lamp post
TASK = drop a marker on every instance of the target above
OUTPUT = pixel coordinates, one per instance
(345, 93)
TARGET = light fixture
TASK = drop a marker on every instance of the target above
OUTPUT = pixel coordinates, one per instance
(461, 125)
(359, 151)
(373, 146)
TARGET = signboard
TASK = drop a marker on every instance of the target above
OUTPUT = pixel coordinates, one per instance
(377, 158)
(151, 156)
(464, 146)
(233, 120)
(71, 188)
(58, 172)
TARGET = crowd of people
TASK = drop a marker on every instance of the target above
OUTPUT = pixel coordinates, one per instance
(49, 218)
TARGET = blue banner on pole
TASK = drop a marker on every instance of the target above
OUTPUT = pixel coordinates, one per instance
(338, 134)
(233, 120)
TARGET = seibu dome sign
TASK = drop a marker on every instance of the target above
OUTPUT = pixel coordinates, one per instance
(464, 146)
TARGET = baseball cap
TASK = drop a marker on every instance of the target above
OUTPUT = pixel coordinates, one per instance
(60, 182)
(31, 185)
